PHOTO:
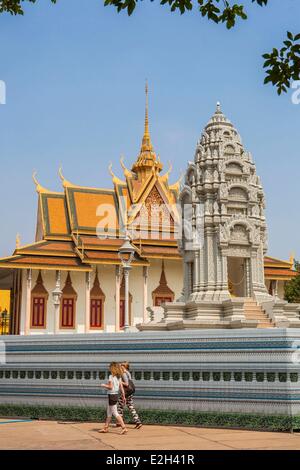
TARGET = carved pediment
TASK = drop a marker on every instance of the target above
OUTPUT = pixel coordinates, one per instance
(239, 234)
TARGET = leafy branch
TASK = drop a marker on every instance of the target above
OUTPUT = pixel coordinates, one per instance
(14, 7)
(282, 66)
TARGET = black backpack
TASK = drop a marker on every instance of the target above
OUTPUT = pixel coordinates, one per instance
(130, 389)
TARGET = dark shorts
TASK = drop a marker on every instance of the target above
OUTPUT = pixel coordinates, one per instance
(113, 399)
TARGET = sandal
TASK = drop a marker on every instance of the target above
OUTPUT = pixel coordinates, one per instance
(104, 430)
(124, 431)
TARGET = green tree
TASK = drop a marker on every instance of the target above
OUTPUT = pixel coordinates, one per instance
(282, 65)
(292, 288)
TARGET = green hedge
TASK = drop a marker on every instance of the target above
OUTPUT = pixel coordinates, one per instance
(164, 417)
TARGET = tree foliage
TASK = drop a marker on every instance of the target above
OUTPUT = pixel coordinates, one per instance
(292, 288)
(14, 7)
(282, 65)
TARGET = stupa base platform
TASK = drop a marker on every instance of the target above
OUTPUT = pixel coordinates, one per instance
(232, 313)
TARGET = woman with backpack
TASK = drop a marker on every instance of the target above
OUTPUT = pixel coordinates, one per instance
(129, 390)
(114, 387)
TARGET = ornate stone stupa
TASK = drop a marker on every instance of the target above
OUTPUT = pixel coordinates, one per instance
(224, 241)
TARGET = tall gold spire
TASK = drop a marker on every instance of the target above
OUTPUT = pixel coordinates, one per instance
(146, 161)
(147, 145)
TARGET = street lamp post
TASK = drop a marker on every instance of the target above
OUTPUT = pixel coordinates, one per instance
(56, 296)
(126, 254)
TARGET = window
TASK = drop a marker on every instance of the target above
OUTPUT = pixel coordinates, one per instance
(97, 305)
(68, 305)
(162, 293)
(38, 318)
(68, 313)
(96, 318)
(39, 299)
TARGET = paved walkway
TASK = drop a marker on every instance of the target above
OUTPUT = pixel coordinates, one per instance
(62, 435)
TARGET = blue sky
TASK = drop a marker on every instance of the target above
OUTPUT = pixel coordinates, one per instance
(75, 75)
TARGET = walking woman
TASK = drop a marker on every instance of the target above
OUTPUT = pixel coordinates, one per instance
(114, 387)
(129, 390)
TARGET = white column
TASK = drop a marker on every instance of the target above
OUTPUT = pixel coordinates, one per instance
(195, 287)
(248, 281)
(57, 302)
(275, 294)
(28, 301)
(87, 301)
(145, 293)
(126, 278)
(224, 272)
(210, 264)
(117, 298)
(186, 292)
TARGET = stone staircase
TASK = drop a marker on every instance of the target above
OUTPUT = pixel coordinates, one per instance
(253, 311)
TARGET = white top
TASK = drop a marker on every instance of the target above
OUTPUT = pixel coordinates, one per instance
(115, 385)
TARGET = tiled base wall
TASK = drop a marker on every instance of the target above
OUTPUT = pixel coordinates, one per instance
(230, 371)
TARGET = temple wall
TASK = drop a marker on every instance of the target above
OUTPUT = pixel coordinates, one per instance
(174, 275)
(281, 289)
(107, 277)
(246, 371)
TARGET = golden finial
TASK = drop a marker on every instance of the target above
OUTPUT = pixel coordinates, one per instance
(110, 170)
(147, 110)
(127, 172)
(63, 179)
(116, 180)
(147, 145)
(165, 177)
(18, 241)
(39, 188)
(60, 173)
(122, 162)
(35, 179)
(176, 186)
(292, 259)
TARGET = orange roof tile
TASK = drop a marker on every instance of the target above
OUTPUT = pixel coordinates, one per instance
(288, 273)
(92, 208)
(44, 262)
(45, 247)
(160, 252)
(54, 215)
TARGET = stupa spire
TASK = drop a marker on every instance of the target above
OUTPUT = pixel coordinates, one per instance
(147, 160)
(146, 142)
